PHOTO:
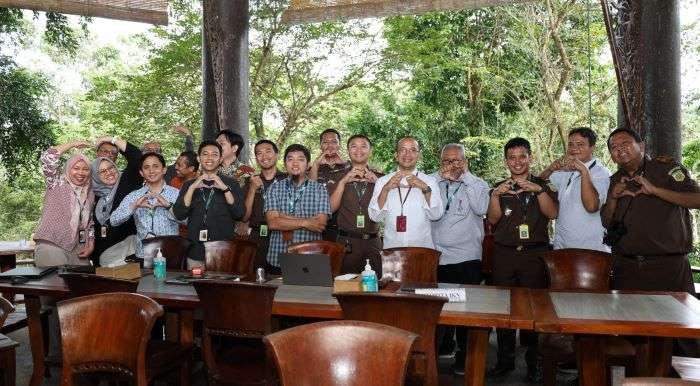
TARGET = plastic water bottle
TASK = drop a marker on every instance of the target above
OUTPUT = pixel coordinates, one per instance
(369, 279)
(159, 266)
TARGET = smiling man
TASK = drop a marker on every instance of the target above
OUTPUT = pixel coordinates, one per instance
(211, 203)
(581, 182)
(406, 201)
(519, 210)
(296, 208)
(647, 219)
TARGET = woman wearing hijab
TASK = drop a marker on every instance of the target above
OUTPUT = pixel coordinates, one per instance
(64, 234)
(111, 186)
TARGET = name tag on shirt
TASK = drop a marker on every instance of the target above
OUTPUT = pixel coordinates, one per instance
(401, 223)
(524, 231)
(360, 221)
(103, 231)
(203, 235)
(263, 230)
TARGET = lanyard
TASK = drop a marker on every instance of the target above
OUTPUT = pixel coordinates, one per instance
(571, 177)
(82, 207)
(360, 193)
(294, 198)
(451, 196)
(207, 203)
(403, 200)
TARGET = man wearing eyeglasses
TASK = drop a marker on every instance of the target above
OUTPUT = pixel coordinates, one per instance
(406, 200)
(459, 233)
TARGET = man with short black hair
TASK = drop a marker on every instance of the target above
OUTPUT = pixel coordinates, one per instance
(519, 210)
(581, 182)
(296, 208)
(231, 146)
(254, 225)
(406, 201)
(210, 203)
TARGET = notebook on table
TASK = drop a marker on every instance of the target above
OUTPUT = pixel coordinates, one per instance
(306, 269)
(31, 273)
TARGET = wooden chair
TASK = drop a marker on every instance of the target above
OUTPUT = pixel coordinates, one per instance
(83, 284)
(231, 256)
(579, 269)
(410, 264)
(341, 353)
(109, 333)
(174, 249)
(235, 310)
(335, 251)
(7, 347)
(415, 313)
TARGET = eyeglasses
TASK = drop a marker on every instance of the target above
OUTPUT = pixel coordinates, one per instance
(107, 170)
(106, 152)
(451, 161)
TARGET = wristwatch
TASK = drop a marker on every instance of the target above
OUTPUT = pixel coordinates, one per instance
(225, 190)
(426, 190)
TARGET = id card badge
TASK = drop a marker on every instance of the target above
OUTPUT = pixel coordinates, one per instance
(360, 221)
(82, 236)
(524, 231)
(103, 231)
(263, 230)
(203, 235)
(401, 223)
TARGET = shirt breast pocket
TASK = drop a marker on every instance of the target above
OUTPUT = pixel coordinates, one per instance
(461, 206)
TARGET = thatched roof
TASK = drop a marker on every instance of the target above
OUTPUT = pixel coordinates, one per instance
(306, 11)
(145, 11)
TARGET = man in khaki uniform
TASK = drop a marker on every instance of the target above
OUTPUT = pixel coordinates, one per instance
(520, 209)
(350, 198)
(647, 219)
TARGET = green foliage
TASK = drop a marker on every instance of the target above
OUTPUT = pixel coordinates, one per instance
(691, 157)
(20, 204)
(26, 129)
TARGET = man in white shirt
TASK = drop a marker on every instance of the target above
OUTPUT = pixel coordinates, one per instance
(459, 233)
(582, 184)
(406, 200)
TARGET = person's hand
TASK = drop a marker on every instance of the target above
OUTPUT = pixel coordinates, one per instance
(81, 144)
(503, 188)
(574, 163)
(142, 202)
(255, 182)
(355, 174)
(218, 183)
(450, 173)
(87, 249)
(622, 188)
(161, 201)
(557, 164)
(242, 229)
(180, 128)
(315, 224)
(415, 182)
(394, 181)
(646, 187)
(370, 176)
(525, 185)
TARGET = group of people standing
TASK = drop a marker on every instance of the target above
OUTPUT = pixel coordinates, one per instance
(640, 213)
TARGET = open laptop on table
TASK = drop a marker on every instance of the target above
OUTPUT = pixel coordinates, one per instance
(306, 269)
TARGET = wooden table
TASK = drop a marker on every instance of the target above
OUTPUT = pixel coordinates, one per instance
(487, 307)
(593, 316)
(9, 251)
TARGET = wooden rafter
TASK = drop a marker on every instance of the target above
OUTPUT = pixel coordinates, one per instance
(144, 11)
(308, 11)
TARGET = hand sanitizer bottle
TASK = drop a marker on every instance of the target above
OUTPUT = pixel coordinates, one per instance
(159, 266)
(369, 279)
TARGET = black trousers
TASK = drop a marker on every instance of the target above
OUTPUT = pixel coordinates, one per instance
(515, 268)
(467, 272)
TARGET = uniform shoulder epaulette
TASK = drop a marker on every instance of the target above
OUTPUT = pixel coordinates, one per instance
(664, 159)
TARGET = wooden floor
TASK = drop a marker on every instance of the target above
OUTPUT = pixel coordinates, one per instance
(24, 367)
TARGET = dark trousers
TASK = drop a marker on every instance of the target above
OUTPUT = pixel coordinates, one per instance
(359, 250)
(263, 245)
(467, 272)
(515, 268)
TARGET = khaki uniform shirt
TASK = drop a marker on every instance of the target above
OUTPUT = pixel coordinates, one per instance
(523, 209)
(655, 226)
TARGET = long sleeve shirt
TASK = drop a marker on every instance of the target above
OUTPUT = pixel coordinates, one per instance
(460, 231)
(417, 210)
(149, 222)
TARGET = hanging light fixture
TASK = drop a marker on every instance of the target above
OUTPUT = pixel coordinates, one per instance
(144, 11)
(307, 11)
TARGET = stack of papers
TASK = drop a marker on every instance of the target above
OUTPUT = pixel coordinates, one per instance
(453, 295)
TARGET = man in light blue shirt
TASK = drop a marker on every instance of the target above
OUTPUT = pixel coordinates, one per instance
(150, 205)
(581, 182)
(460, 231)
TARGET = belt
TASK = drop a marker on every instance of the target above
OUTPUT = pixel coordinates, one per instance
(258, 226)
(358, 235)
(526, 247)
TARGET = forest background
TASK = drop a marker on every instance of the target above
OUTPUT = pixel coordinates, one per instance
(477, 77)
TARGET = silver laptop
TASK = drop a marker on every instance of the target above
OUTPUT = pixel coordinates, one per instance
(306, 269)
(32, 273)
